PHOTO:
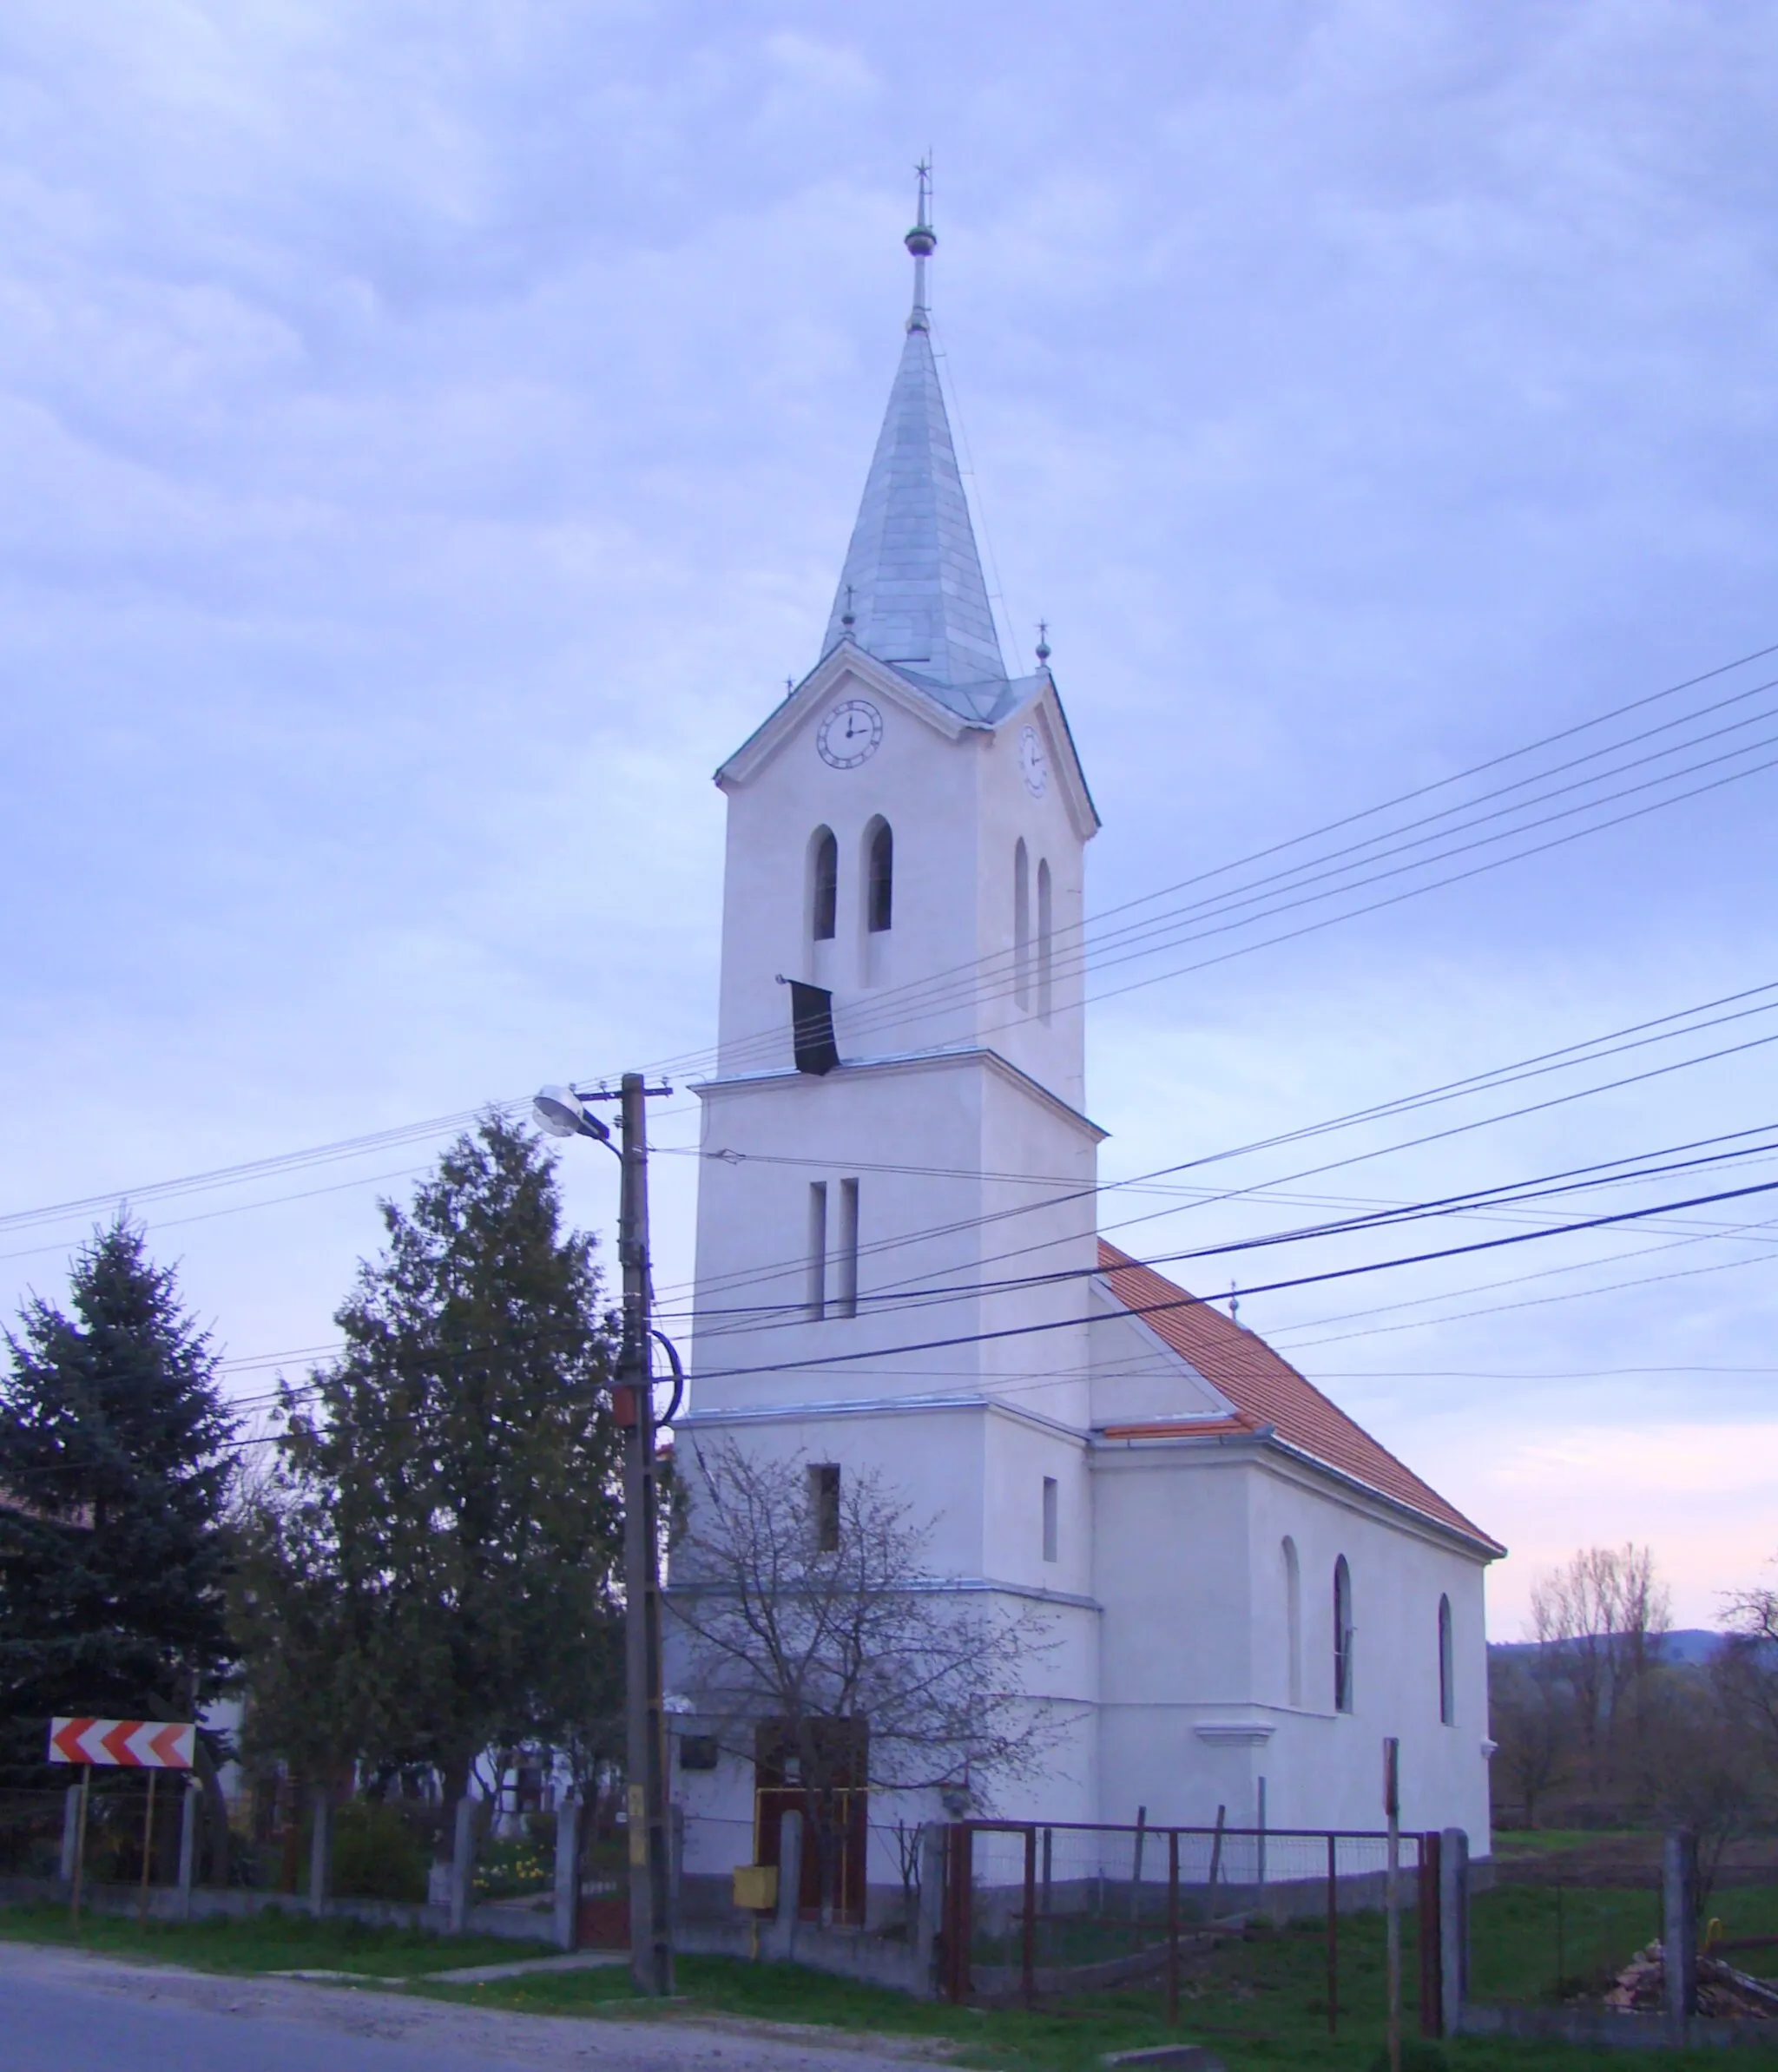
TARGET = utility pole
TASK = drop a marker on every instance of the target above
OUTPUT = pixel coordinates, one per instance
(650, 1884)
(561, 1112)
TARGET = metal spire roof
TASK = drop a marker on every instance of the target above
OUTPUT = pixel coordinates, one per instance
(911, 592)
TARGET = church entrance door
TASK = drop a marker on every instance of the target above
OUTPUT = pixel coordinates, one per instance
(819, 1768)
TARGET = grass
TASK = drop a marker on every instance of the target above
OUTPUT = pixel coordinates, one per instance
(271, 1940)
(1258, 2001)
(1553, 1841)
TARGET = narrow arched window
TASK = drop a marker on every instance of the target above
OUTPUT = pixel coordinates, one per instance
(880, 899)
(1342, 1636)
(1021, 924)
(1044, 919)
(1447, 1667)
(1293, 1622)
(824, 885)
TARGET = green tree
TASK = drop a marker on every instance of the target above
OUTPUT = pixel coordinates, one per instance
(114, 1456)
(431, 1572)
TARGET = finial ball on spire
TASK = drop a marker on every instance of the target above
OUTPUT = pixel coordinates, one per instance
(922, 238)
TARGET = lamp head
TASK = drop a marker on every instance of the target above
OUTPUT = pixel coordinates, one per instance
(559, 1112)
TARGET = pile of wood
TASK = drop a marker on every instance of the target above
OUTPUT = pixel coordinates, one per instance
(1722, 1990)
(1637, 1988)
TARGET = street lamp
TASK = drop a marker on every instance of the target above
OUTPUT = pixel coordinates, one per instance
(561, 1112)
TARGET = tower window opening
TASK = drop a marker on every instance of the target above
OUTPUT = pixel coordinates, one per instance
(824, 885)
(1447, 1667)
(1293, 1622)
(1044, 918)
(1051, 1526)
(1021, 924)
(845, 1262)
(818, 1251)
(1343, 1635)
(879, 900)
(824, 1507)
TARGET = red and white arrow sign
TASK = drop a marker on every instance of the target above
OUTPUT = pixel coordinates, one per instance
(127, 1743)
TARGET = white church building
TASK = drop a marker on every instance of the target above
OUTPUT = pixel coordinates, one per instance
(1246, 1593)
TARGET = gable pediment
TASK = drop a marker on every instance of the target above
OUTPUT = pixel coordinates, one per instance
(846, 672)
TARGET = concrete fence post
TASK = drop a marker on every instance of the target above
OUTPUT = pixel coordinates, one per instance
(1679, 1931)
(931, 1917)
(463, 1865)
(1453, 1926)
(71, 1831)
(320, 1849)
(567, 1872)
(190, 1805)
(790, 1847)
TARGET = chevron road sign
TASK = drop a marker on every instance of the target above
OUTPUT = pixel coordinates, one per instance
(128, 1744)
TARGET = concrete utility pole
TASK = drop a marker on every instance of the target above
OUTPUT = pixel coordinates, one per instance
(651, 1886)
(561, 1111)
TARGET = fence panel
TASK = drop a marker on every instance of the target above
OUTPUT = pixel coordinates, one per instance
(31, 1833)
(1069, 1915)
(1551, 1942)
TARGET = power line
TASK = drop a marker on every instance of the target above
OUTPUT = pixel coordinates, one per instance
(1616, 1043)
(440, 1125)
(1185, 1301)
(1546, 1187)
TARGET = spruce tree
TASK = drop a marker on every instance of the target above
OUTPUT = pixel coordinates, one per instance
(115, 1468)
(433, 1573)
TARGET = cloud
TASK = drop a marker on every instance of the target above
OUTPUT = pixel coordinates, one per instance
(432, 435)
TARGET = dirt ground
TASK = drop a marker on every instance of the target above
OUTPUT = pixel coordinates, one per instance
(1626, 1860)
(550, 2043)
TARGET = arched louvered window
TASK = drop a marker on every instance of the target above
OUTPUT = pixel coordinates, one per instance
(1043, 927)
(880, 891)
(824, 885)
(1447, 1667)
(1021, 924)
(1343, 1631)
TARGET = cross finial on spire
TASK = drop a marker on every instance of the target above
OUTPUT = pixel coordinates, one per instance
(1042, 642)
(920, 241)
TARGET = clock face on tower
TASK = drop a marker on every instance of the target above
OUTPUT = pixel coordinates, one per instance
(850, 733)
(1034, 765)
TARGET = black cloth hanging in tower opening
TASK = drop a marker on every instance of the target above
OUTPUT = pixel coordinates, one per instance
(812, 1027)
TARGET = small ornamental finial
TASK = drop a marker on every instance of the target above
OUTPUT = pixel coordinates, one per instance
(1042, 642)
(920, 241)
(1234, 1304)
(848, 618)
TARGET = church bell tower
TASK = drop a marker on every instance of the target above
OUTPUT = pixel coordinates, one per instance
(905, 839)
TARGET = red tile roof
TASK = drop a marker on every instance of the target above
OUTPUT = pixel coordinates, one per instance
(1266, 1390)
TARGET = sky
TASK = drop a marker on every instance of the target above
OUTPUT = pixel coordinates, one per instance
(428, 439)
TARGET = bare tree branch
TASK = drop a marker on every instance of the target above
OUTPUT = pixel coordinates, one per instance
(782, 1630)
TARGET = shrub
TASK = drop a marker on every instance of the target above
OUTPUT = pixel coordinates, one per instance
(377, 1854)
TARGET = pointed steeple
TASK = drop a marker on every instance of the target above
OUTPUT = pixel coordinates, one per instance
(911, 591)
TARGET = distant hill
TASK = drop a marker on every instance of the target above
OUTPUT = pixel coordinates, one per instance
(1686, 1644)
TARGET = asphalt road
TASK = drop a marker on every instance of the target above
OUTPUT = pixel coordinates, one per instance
(64, 2011)
(71, 2029)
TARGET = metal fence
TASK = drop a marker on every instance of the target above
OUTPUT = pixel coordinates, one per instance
(1040, 1913)
(31, 1833)
(1562, 1943)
